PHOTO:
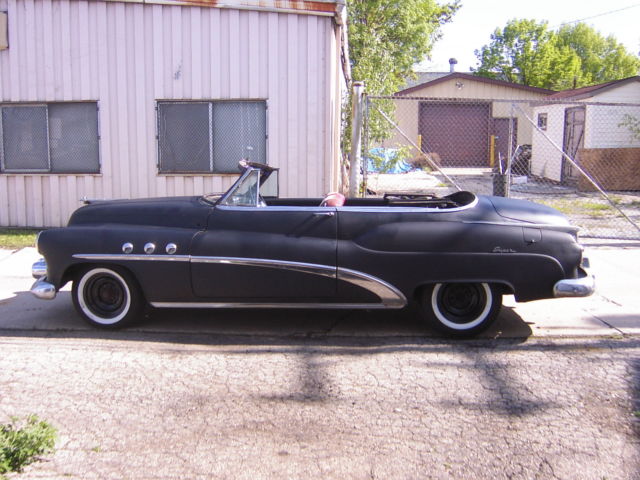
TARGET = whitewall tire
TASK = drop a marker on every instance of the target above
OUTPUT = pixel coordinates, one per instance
(461, 309)
(107, 297)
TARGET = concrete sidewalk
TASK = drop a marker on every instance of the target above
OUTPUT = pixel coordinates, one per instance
(613, 310)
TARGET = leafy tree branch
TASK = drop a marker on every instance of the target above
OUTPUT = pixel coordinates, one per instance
(529, 53)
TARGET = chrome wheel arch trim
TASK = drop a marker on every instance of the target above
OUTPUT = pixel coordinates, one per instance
(390, 296)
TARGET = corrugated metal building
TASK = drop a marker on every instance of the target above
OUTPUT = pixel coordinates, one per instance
(139, 98)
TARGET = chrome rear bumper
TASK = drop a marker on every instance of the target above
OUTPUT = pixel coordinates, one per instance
(582, 286)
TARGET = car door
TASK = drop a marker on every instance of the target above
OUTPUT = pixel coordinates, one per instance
(282, 253)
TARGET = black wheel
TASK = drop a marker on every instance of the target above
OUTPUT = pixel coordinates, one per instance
(107, 297)
(461, 309)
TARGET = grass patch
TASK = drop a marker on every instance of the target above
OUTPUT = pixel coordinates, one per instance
(580, 207)
(22, 441)
(14, 238)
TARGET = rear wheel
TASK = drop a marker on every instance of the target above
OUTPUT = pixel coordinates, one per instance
(107, 297)
(461, 309)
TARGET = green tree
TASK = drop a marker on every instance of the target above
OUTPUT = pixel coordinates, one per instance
(386, 38)
(529, 53)
(602, 59)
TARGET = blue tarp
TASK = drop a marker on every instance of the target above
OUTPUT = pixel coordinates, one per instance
(383, 160)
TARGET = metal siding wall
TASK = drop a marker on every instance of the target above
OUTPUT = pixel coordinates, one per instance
(127, 56)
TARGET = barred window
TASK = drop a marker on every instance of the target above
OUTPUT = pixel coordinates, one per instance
(211, 136)
(49, 138)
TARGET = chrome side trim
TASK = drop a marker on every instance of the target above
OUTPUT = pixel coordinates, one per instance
(575, 287)
(118, 256)
(331, 306)
(39, 269)
(312, 268)
(345, 209)
(390, 296)
(516, 223)
(43, 289)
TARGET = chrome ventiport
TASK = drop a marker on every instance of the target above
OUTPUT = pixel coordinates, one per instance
(127, 247)
(39, 269)
(149, 248)
(171, 248)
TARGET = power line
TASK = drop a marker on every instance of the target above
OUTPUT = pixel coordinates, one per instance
(601, 14)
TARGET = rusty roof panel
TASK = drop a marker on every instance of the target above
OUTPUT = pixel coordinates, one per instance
(314, 7)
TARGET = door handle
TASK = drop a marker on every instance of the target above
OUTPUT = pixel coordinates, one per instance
(323, 214)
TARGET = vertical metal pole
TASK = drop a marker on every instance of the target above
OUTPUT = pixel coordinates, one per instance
(492, 151)
(512, 132)
(356, 137)
(365, 144)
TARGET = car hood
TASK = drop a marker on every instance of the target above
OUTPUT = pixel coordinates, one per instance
(528, 212)
(180, 212)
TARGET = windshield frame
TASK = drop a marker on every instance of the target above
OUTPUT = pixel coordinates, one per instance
(248, 175)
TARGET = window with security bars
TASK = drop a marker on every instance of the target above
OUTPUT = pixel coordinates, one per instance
(49, 138)
(212, 136)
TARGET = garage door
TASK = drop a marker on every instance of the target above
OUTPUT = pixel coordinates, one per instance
(457, 132)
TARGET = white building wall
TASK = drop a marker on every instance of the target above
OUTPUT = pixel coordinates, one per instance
(126, 56)
(602, 127)
(546, 159)
(603, 122)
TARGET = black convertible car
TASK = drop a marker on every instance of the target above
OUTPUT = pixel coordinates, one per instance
(455, 256)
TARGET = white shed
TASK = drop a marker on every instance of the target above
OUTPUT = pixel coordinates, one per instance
(589, 125)
(145, 98)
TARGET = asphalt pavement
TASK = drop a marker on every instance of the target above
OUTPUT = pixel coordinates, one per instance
(551, 392)
(613, 310)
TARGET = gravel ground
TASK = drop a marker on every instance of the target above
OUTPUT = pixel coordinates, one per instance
(150, 406)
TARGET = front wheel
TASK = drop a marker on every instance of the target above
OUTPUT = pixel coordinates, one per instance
(461, 309)
(107, 297)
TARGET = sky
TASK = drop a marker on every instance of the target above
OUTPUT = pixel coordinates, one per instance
(477, 19)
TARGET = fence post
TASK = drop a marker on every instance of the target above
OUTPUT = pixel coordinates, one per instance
(356, 137)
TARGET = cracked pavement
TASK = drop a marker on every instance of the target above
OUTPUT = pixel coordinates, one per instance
(154, 406)
(552, 391)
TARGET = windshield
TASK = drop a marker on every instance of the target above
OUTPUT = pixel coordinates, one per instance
(245, 193)
(258, 181)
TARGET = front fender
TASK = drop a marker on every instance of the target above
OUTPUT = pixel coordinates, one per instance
(162, 273)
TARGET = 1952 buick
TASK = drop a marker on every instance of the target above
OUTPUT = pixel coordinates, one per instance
(454, 256)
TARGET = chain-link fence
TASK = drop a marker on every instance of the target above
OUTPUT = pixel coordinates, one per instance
(581, 158)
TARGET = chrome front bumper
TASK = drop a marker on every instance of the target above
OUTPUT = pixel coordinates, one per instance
(41, 288)
(39, 269)
(582, 286)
